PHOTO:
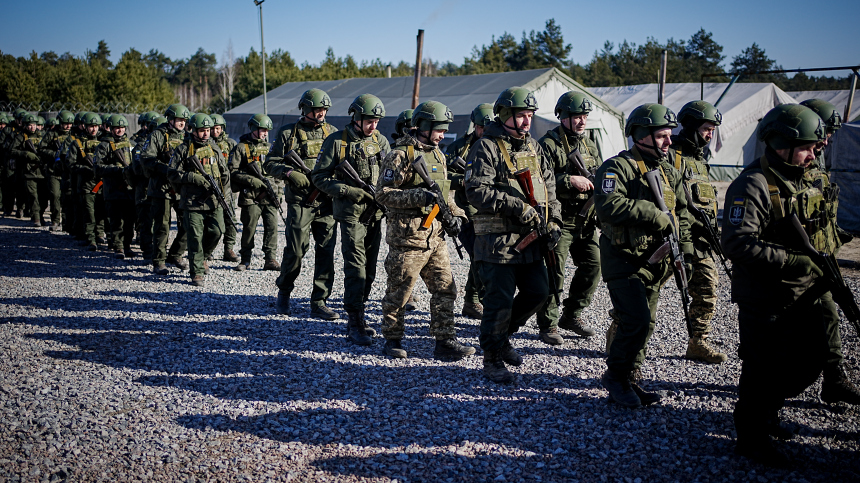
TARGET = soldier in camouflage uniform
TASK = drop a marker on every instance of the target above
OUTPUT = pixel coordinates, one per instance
(415, 250)
(79, 159)
(632, 230)
(698, 121)
(836, 386)
(226, 144)
(254, 200)
(402, 126)
(28, 165)
(49, 150)
(112, 157)
(504, 217)
(305, 137)
(203, 214)
(155, 159)
(579, 231)
(363, 147)
(783, 334)
(481, 116)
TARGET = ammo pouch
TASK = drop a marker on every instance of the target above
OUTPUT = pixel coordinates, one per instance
(489, 224)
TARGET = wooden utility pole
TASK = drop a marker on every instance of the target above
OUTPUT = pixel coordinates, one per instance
(417, 85)
(661, 90)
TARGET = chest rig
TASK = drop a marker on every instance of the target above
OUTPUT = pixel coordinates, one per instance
(591, 163)
(87, 146)
(257, 153)
(208, 158)
(435, 161)
(813, 202)
(309, 146)
(697, 178)
(363, 155)
(170, 145)
(122, 151)
(225, 147)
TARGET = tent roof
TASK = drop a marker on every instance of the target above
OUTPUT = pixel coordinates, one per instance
(838, 98)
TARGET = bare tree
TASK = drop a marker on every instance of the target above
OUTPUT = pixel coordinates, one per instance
(227, 75)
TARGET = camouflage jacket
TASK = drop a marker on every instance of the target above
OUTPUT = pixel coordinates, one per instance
(78, 149)
(50, 148)
(21, 157)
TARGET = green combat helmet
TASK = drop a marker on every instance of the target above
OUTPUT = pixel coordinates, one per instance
(200, 121)
(157, 121)
(218, 120)
(260, 121)
(177, 111)
(827, 112)
(789, 126)
(28, 118)
(366, 106)
(19, 113)
(116, 120)
(40, 121)
(143, 118)
(4, 118)
(79, 117)
(647, 118)
(66, 117)
(512, 100)
(52, 122)
(699, 112)
(482, 115)
(313, 99)
(571, 104)
(403, 123)
(91, 119)
(432, 115)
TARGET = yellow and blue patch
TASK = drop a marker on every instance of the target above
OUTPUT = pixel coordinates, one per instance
(608, 184)
(737, 210)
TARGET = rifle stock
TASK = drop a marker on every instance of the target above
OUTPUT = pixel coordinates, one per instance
(370, 211)
(710, 234)
(300, 164)
(441, 206)
(213, 187)
(270, 190)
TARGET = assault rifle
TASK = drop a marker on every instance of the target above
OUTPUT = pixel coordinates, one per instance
(347, 170)
(710, 233)
(575, 159)
(270, 190)
(832, 280)
(213, 187)
(524, 179)
(448, 219)
(457, 164)
(671, 245)
(299, 163)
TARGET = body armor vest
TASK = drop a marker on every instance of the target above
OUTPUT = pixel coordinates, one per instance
(257, 153)
(436, 169)
(591, 163)
(309, 149)
(697, 179)
(124, 149)
(363, 155)
(208, 158)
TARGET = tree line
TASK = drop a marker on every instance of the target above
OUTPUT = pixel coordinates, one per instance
(203, 83)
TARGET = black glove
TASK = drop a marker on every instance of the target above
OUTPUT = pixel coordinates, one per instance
(554, 234)
(528, 215)
(299, 179)
(688, 266)
(456, 226)
(429, 198)
(798, 265)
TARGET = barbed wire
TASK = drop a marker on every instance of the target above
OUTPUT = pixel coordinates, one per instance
(49, 107)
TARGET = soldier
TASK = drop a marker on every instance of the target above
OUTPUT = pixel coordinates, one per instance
(633, 228)
(362, 147)
(481, 116)
(7, 180)
(49, 150)
(13, 189)
(112, 156)
(771, 277)
(155, 159)
(72, 218)
(402, 126)
(24, 157)
(135, 177)
(565, 146)
(698, 121)
(414, 249)
(248, 174)
(80, 159)
(836, 386)
(204, 216)
(225, 144)
(305, 137)
(504, 217)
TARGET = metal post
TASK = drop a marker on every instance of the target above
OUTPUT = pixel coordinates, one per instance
(259, 3)
(846, 117)
(734, 79)
(662, 77)
(416, 87)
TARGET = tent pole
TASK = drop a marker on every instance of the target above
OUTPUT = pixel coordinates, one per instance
(731, 83)
(416, 87)
(850, 104)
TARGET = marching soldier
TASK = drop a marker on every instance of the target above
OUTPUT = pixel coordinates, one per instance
(49, 150)
(80, 158)
(112, 156)
(137, 179)
(24, 157)
(226, 144)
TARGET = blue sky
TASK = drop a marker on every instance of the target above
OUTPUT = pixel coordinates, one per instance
(387, 29)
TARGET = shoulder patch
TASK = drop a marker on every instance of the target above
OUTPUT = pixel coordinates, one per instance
(388, 175)
(609, 182)
(737, 210)
(468, 175)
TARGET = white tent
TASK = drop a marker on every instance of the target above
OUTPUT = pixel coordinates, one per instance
(838, 98)
(843, 154)
(735, 143)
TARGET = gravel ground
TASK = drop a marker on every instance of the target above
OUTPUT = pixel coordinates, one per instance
(109, 373)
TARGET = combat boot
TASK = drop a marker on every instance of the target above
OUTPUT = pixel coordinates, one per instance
(178, 262)
(761, 450)
(272, 265)
(283, 303)
(575, 325)
(837, 387)
(699, 349)
(119, 254)
(645, 397)
(325, 313)
(473, 310)
(451, 350)
(510, 355)
(92, 247)
(392, 348)
(367, 329)
(356, 330)
(205, 267)
(619, 389)
(551, 336)
(412, 304)
(241, 267)
(610, 332)
(197, 281)
(160, 269)
(494, 368)
(230, 256)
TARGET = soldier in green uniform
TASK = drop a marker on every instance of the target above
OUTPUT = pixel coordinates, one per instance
(481, 116)
(226, 144)
(698, 121)
(579, 230)
(770, 276)
(155, 159)
(363, 148)
(632, 230)
(204, 216)
(304, 217)
(247, 159)
(836, 386)
(79, 158)
(112, 156)
(136, 178)
(7, 167)
(414, 249)
(73, 218)
(49, 151)
(24, 157)
(515, 281)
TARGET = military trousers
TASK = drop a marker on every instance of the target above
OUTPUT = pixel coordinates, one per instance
(703, 295)
(301, 223)
(635, 300)
(474, 289)
(404, 266)
(359, 246)
(121, 218)
(230, 230)
(160, 211)
(831, 328)
(579, 244)
(93, 214)
(7, 185)
(144, 227)
(37, 197)
(204, 230)
(782, 353)
(251, 214)
(513, 292)
(69, 203)
(55, 198)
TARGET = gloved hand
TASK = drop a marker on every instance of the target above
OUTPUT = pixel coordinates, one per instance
(688, 266)
(663, 223)
(196, 180)
(31, 156)
(429, 198)
(357, 195)
(554, 234)
(528, 215)
(798, 265)
(299, 179)
(257, 183)
(457, 225)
